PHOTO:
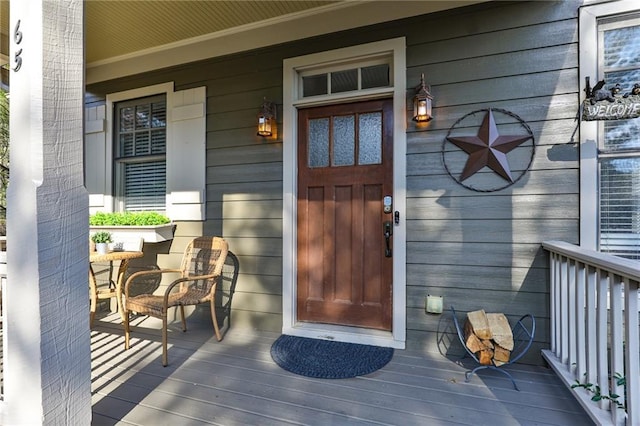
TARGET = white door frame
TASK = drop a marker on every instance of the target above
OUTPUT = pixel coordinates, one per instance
(292, 100)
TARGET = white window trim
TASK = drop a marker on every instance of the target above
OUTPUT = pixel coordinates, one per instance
(291, 100)
(589, 15)
(112, 98)
(186, 126)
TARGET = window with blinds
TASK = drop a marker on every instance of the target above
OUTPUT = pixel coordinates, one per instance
(619, 142)
(140, 153)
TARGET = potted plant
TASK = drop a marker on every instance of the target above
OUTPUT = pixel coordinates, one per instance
(152, 227)
(101, 240)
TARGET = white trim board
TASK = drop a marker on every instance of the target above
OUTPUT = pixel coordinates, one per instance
(588, 67)
(396, 48)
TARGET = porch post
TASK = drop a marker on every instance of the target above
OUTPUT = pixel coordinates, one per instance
(47, 338)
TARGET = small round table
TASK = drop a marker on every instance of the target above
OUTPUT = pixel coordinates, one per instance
(115, 289)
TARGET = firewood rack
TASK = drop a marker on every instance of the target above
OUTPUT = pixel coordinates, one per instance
(523, 334)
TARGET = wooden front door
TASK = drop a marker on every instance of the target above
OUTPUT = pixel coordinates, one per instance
(344, 271)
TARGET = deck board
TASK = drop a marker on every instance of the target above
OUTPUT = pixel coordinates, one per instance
(235, 382)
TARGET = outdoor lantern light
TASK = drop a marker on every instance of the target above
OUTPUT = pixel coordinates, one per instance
(422, 103)
(266, 119)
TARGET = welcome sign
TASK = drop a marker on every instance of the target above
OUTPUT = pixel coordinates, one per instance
(619, 109)
(604, 103)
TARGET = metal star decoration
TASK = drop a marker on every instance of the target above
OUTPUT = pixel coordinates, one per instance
(488, 148)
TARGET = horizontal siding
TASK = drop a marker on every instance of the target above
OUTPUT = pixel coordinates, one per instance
(518, 56)
(264, 153)
(490, 18)
(535, 182)
(482, 278)
(493, 230)
(509, 207)
(244, 173)
(235, 191)
(476, 254)
(541, 108)
(541, 59)
(554, 137)
(497, 89)
(245, 209)
(428, 163)
(496, 42)
(481, 250)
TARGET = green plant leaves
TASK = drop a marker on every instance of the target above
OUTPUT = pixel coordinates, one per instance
(128, 219)
(101, 237)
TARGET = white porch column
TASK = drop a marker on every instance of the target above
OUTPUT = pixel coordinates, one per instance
(47, 355)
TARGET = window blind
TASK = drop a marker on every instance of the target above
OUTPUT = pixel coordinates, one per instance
(145, 186)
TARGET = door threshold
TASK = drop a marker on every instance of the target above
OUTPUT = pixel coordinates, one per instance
(340, 333)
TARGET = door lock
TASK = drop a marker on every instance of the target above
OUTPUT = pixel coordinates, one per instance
(387, 204)
(388, 232)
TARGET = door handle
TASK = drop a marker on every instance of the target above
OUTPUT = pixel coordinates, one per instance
(388, 232)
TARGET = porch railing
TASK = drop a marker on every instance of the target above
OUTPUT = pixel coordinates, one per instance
(594, 330)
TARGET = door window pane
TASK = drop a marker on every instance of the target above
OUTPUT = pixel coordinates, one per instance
(370, 138)
(314, 85)
(375, 76)
(344, 81)
(349, 80)
(343, 140)
(319, 142)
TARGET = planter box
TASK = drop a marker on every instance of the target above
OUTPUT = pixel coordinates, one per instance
(150, 234)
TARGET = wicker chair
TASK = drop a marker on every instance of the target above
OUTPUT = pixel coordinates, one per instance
(225, 291)
(199, 272)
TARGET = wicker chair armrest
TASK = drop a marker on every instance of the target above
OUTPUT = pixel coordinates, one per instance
(186, 279)
(138, 274)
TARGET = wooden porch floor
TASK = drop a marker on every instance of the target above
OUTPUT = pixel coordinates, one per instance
(235, 382)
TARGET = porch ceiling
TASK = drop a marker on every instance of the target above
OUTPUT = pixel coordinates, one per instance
(131, 26)
(125, 37)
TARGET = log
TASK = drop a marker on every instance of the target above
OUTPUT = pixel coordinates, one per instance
(473, 343)
(471, 340)
(480, 324)
(487, 343)
(500, 330)
(501, 354)
(489, 337)
(485, 357)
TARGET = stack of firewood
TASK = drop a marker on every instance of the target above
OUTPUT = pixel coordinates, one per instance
(489, 336)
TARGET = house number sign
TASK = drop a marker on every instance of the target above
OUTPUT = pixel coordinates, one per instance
(17, 38)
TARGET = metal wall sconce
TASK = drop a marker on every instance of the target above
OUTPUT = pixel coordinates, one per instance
(422, 103)
(266, 119)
